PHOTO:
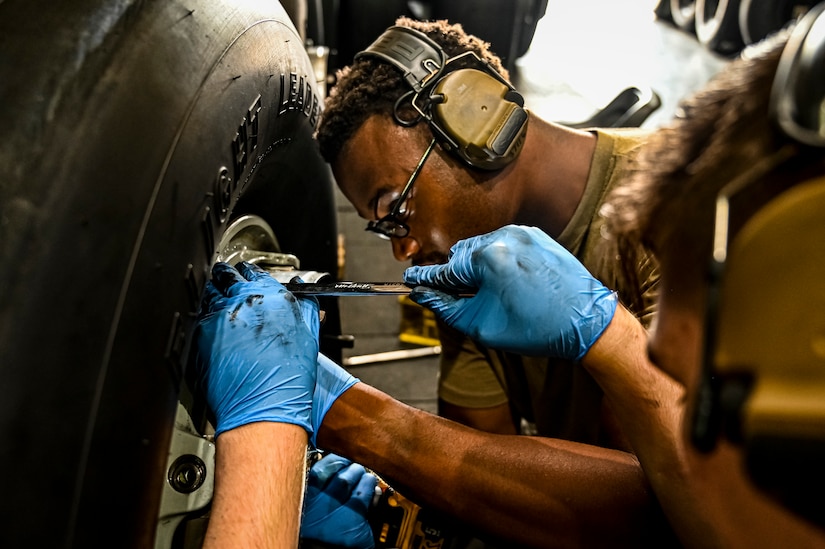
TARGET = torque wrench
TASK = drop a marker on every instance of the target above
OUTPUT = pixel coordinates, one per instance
(351, 289)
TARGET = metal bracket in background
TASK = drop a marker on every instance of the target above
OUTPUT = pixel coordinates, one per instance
(387, 356)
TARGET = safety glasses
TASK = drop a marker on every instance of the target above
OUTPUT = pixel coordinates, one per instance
(392, 224)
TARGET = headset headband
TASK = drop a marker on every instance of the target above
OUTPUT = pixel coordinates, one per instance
(412, 52)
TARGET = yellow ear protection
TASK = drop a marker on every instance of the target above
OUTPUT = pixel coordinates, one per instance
(472, 110)
(763, 378)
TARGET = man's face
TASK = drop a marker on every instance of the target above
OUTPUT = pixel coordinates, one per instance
(675, 341)
(675, 344)
(446, 204)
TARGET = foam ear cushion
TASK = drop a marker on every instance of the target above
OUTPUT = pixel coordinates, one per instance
(479, 113)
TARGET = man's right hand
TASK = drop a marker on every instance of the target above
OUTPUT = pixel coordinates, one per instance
(532, 296)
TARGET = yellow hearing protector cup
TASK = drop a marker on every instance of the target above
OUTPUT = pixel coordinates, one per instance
(801, 65)
(772, 322)
(472, 110)
(763, 377)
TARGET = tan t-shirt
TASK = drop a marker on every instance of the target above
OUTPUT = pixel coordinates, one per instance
(558, 396)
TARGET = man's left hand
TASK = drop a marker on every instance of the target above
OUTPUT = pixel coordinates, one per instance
(339, 494)
(257, 349)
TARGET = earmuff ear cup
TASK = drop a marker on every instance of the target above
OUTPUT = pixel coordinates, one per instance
(753, 294)
(775, 272)
(481, 115)
(772, 332)
(471, 109)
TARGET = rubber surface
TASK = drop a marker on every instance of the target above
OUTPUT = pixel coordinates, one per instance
(759, 19)
(683, 14)
(717, 26)
(132, 130)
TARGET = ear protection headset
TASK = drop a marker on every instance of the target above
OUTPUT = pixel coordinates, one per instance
(472, 110)
(763, 378)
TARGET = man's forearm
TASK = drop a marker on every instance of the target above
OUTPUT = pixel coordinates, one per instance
(646, 400)
(259, 486)
(541, 492)
(649, 406)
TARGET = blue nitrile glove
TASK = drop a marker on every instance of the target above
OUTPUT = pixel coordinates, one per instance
(533, 297)
(338, 496)
(257, 348)
(332, 381)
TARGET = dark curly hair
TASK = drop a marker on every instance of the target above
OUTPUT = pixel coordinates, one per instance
(370, 86)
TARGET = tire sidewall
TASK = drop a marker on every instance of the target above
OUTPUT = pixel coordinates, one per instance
(113, 207)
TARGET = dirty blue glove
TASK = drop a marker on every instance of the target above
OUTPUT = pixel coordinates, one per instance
(257, 347)
(338, 496)
(333, 380)
(533, 297)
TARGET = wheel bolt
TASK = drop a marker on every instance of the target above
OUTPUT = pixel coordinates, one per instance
(187, 473)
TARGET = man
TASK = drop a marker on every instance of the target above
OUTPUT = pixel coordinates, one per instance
(557, 182)
(548, 492)
(563, 201)
(752, 134)
(751, 144)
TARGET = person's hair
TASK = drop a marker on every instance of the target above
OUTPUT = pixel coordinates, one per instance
(370, 86)
(667, 206)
